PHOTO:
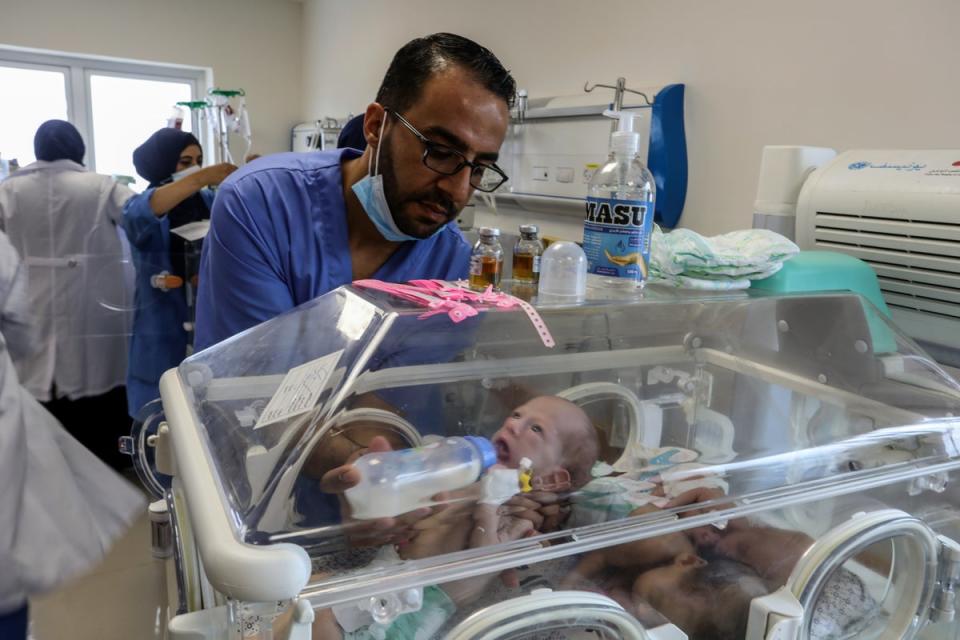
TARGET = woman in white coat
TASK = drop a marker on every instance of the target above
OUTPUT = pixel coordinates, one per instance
(63, 221)
(60, 507)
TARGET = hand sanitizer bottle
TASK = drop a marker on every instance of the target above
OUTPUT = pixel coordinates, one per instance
(619, 214)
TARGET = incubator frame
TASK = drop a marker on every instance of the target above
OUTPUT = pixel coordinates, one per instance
(281, 570)
(290, 560)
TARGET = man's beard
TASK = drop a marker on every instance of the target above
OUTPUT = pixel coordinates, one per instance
(391, 190)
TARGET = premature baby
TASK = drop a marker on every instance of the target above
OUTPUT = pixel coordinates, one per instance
(703, 580)
(560, 443)
(668, 574)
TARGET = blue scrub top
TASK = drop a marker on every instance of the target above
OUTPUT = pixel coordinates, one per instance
(278, 238)
(159, 340)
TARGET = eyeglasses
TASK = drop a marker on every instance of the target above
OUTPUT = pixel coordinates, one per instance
(448, 161)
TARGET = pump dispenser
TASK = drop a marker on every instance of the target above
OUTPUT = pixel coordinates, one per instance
(619, 213)
(624, 141)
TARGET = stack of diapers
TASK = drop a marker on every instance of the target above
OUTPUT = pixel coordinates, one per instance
(684, 258)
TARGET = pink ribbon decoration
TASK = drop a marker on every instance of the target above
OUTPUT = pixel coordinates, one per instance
(457, 301)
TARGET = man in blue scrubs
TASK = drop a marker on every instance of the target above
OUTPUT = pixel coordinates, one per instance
(293, 226)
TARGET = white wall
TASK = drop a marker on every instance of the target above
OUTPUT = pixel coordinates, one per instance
(839, 73)
(254, 44)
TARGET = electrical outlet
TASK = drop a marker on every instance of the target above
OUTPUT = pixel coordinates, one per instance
(541, 173)
(564, 174)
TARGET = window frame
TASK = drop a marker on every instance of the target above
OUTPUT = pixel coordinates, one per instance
(78, 69)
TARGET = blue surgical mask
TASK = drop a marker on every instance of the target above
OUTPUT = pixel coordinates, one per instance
(369, 190)
(373, 199)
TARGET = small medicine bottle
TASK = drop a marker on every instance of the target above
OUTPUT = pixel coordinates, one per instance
(486, 261)
(526, 255)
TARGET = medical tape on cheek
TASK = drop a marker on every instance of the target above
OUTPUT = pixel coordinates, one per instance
(557, 481)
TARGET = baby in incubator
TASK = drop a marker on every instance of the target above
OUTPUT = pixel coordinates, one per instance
(703, 580)
(550, 435)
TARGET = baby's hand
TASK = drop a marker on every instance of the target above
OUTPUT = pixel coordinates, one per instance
(708, 496)
(492, 527)
(545, 510)
(489, 527)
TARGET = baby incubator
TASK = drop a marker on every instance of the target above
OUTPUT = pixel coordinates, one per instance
(809, 416)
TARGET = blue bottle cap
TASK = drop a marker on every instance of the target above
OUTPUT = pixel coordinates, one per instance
(488, 453)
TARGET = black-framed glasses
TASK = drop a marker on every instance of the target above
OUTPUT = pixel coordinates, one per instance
(448, 161)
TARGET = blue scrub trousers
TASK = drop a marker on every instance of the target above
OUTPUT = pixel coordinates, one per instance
(13, 626)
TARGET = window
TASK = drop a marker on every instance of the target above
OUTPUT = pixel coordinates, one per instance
(115, 105)
(126, 111)
(37, 94)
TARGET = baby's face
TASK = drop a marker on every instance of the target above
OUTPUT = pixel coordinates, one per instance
(537, 430)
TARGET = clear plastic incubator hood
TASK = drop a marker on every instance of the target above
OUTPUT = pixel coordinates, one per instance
(748, 466)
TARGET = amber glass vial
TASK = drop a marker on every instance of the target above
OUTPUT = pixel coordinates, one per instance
(526, 255)
(486, 261)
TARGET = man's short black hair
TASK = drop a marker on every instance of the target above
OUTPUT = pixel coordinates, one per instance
(419, 59)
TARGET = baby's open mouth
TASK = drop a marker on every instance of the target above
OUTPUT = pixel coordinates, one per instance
(503, 450)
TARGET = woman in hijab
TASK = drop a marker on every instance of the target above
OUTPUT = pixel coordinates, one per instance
(171, 161)
(64, 222)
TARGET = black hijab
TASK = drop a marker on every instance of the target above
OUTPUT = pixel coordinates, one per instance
(156, 161)
(58, 140)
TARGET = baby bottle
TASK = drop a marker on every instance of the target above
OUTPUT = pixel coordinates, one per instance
(395, 482)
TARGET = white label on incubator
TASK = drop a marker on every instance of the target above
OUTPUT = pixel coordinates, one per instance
(300, 389)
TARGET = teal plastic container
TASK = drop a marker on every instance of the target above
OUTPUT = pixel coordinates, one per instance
(830, 271)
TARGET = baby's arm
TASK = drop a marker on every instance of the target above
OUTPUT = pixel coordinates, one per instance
(636, 555)
(770, 552)
(489, 528)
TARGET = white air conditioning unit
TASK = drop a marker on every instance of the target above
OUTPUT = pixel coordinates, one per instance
(900, 212)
